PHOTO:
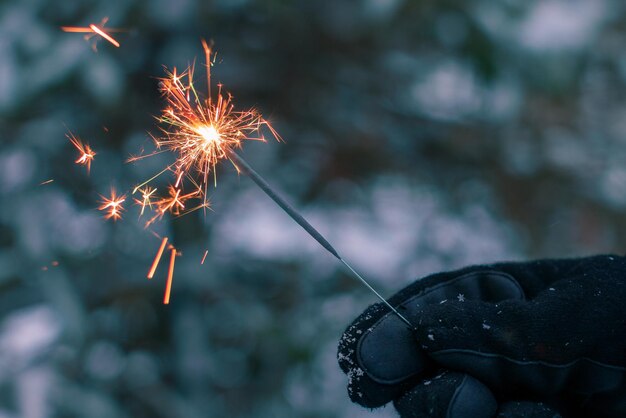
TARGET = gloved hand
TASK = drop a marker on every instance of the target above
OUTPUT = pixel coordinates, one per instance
(534, 339)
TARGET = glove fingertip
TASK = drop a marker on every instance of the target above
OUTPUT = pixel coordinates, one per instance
(451, 394)
(472, 400)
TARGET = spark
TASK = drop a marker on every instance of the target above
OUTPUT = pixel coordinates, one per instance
(112, 205)
(170, 272)
(174, 204)
(102, 33)
(200, 132)
(46, 182)
(93, 30)
(146, 194)
(204, 257)
(157, 258)
(86, 153)
(170, 277)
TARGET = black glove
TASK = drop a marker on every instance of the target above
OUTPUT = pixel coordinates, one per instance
(533, 339)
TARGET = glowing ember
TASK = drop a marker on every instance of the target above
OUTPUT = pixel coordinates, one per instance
(170, 277)
(157, 258)
(209, 134)
(93, 30)
(112, 205)
(175, 204)
(86, 153)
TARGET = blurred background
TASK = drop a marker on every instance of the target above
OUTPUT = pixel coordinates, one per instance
(420, 136)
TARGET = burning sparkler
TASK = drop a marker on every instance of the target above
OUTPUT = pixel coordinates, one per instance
(95, 30)
(86, 153)
(112, 205)
(202, 132)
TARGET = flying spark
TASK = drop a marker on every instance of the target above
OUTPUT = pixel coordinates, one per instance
(170, 278)
(157, 258)
(170, 270)
(112, 205)
(174, 203)
(86, 153)
(93, 30)
(146, 198)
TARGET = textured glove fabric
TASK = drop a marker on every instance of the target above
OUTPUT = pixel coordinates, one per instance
(530, 339)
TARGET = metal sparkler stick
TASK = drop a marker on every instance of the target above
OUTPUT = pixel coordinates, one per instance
(296, 216)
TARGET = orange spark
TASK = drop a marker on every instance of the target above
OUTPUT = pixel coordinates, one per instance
(170, 277)
(180, 176)
(104, 35)
(112, 206)
(86, 153)
(204, 257)
(146, 194)
(157, 258)
(174, 204)
(93, 30)
(200, 131)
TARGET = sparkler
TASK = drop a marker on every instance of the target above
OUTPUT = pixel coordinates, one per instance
(86, 153)
(202, 132)
(93, 30)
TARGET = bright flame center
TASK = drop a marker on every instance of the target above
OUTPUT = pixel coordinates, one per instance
(209, 134)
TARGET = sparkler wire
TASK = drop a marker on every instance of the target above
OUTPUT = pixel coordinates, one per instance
(296, 216)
